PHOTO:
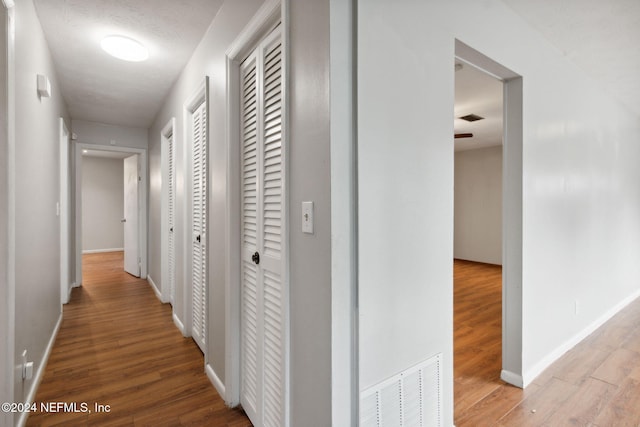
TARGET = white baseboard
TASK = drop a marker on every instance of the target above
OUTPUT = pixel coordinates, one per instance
(539, 367)
(98, 251)
(155, 288)
(179, 325)
(215, 380)
(511, 378)
(40, 372)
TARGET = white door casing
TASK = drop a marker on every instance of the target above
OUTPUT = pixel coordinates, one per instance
(78, 147)
(130, 217)
(263, 271)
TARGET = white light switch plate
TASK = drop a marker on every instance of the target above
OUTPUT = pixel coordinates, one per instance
(307, 217)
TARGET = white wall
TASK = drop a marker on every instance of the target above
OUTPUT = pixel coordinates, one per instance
(581, 186)
(37, 259)
(208, 60)
(309, 174)
(102, 203)
(477, 225)
(110, 135)
(310, 179)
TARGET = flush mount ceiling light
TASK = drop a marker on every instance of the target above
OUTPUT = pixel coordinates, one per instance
(124, 48)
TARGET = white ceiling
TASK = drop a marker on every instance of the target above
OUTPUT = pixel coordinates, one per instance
(599, 36)
(477, 93)
(100, 88)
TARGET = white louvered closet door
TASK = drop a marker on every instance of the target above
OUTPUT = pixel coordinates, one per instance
(263, 293)
(199, 221)
(172, 221)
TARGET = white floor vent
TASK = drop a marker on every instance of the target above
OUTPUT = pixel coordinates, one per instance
(411, 398)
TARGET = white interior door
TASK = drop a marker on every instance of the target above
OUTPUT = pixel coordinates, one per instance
(199, 225)
(64, 213)
(130, 218)
(172, 220)
(263, 289)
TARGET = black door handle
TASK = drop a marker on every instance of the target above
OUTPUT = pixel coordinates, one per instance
(198, 238)
(256, 258)
(171, 230)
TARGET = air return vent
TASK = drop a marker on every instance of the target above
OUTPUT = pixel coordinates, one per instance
(411, 398)
(472, 118)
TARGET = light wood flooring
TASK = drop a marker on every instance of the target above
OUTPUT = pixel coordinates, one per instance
(118, 346)
(596, 384)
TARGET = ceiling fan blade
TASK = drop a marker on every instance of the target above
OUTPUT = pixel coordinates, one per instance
(463, 135)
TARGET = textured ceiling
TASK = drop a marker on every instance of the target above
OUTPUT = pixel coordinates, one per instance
(100, 88)
(599, 36)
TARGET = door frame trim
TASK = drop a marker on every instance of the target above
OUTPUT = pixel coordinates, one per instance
(142, 205)
(512, 254)
(267, 18)
(7, 139)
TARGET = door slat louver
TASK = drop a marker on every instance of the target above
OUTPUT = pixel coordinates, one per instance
(199, 221)
(171, 215)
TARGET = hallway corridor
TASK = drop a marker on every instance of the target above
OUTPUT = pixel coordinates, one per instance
(118, 347)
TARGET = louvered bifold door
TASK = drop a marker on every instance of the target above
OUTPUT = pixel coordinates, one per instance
(263, 301)
(199, 221)
(172, 221)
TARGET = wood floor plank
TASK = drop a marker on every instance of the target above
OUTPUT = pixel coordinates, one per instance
(491, 408)
(578, 364)
(623, 409)
(617, 366)
(584, 405)
(118, 346)
(536, 409)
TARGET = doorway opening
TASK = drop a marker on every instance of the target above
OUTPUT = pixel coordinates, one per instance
(487, 229)
(132, 239)
(477, 235)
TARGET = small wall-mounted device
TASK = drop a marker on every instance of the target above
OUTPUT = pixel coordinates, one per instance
(44, 86)
(307, 217)
(27, 367)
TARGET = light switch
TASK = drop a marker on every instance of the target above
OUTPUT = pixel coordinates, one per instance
(307, 217)
(28, 371)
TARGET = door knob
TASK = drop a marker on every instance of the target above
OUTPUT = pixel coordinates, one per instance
(123, 220)
(171, 230)
(256, 258)
(198, 238)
